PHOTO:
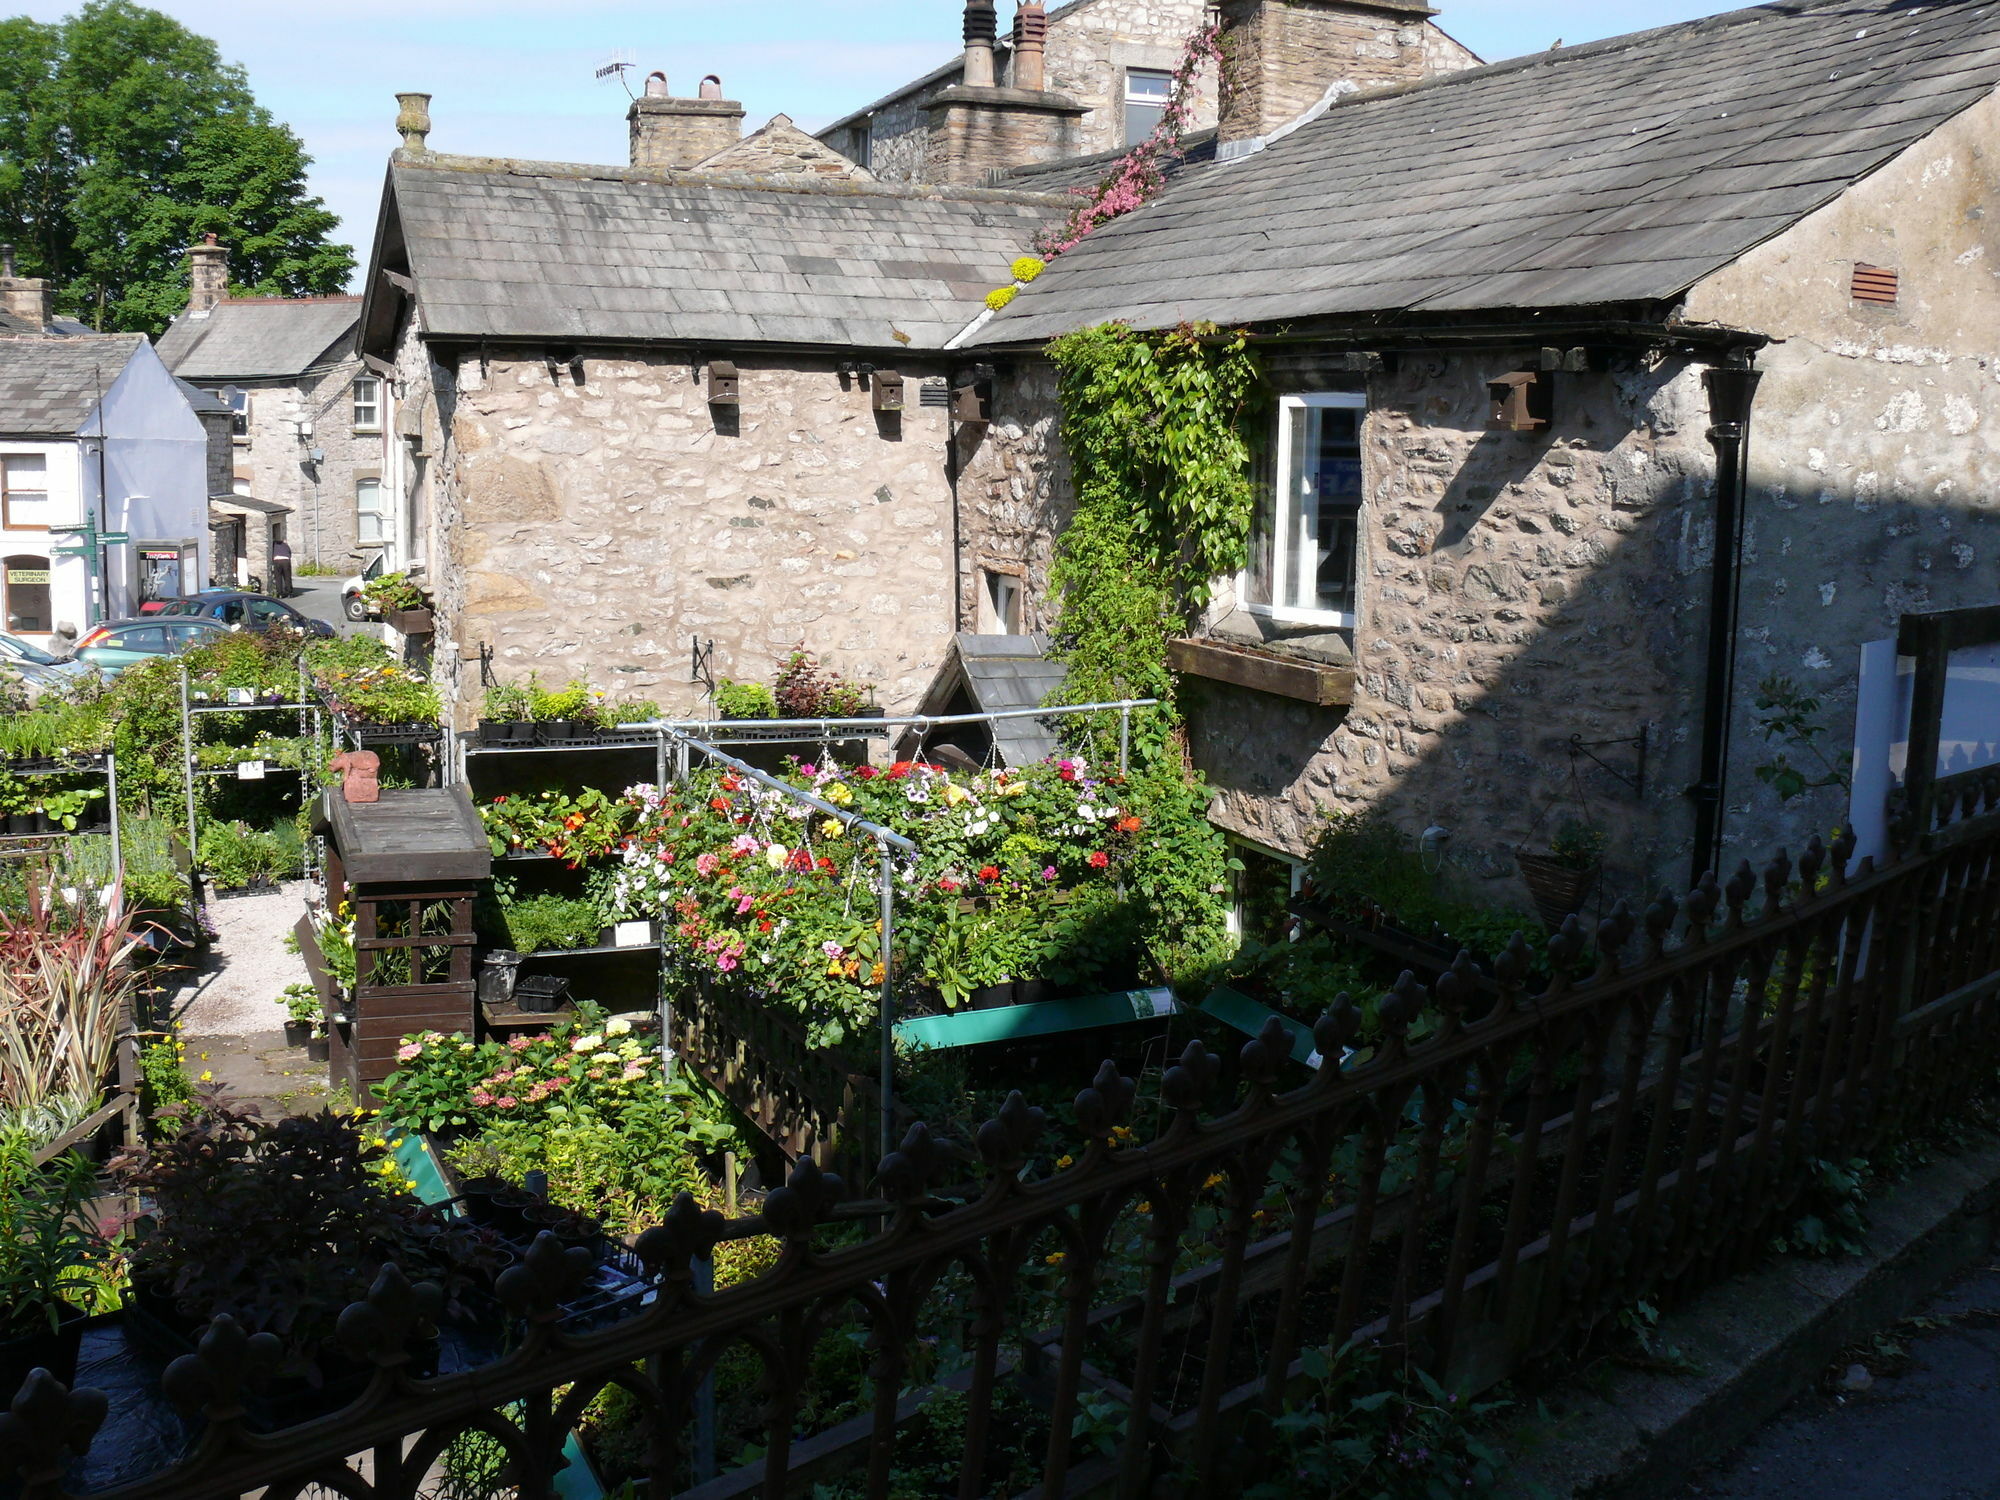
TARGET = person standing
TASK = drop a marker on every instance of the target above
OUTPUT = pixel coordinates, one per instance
(281, 566)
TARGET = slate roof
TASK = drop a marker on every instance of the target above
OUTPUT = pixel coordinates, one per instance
(260, 338)
(549, 252)
(1620, 172)
(997, 673)
(49, 387)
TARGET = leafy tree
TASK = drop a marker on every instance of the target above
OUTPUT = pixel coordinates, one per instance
(124, 138)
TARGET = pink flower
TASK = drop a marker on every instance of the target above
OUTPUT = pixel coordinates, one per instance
(705, 863)
(481, 1098)
(506, 1101)
(1048, 872)
(743, 843)
(634, 1071)
(409, 1051)
(726, 962)
(743, 906)
(520, 1043)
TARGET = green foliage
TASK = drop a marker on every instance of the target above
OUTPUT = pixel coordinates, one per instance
(163, 1078)
(124, 138)
(235, 855)
(1154, 426)
(301, 1002)
(1377, 1429)
(505, 702)
(805, 689)
(1833, 1218)
(395, 591)
(50, 1242)
(1790, 716)
(1578, 845)
(550, 922)
(573, 700)
(744, 700)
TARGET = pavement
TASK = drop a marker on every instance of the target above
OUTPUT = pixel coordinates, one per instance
(1909, 1414)
(319, 599)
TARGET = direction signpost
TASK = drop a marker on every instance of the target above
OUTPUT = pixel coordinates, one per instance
(89, 545)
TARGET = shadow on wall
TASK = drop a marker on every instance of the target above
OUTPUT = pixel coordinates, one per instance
(1539, 601)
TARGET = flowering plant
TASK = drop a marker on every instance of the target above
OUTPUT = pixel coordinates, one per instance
(576, 829)
(755, 888)
(385, 694)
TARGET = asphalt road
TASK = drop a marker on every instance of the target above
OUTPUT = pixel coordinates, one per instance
(319, 598)
(1925, 1429)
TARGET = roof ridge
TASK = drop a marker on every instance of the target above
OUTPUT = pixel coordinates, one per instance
(269, 301)
(437, 161)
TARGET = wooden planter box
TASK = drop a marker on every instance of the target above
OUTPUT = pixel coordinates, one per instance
(410, 621)
(1263, 671)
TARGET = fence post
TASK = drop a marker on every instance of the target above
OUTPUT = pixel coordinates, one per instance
(1124, 737)
(887, 1018)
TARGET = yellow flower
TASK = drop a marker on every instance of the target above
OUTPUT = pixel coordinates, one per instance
(206, 1076)
(1065, 1161)
(1215, 1180)
(955, 794)
(838, 793)
(829, 828)
(1027, 267)
(1054, 1259)
(1000, 296)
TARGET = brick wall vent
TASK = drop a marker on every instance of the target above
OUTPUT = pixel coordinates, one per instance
(1876, 284)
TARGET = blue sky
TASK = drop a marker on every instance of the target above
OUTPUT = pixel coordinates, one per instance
(513, 77)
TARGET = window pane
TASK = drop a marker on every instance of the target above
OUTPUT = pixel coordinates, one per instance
(1332, 502)
(368, 528)
(24, 482)
(1140, 122)
(1143, 83)
(366, 396)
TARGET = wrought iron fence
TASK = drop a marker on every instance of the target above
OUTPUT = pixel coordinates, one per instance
(1103, 1308)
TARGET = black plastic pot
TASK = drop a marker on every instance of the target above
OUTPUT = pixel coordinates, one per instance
(506, 1210)
(297, 1033)
(1033, 991)
(478, 1194)
(20, 824)
(45, 1348)
(991, 996)
(540, 994)
(319, 1047)
(498, 975)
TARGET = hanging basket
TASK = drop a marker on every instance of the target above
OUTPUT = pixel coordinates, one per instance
(1559, 890)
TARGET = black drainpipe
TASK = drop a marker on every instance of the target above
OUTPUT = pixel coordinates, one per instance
(1731, 389)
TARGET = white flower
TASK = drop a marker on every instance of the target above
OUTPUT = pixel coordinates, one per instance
(617, 1028)
(586, 1044)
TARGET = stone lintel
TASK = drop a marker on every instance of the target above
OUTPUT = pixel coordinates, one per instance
(1039, 100)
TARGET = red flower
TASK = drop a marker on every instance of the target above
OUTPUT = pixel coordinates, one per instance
(720, 804)
(1068, 773)
(947, 884)
(989, 872)
(826, 864)
(864, 773)
(1128, 825)
(498, 800)
(1099, 859)
(899, 770)
(730, 783)
(763, 924)
(801, 859)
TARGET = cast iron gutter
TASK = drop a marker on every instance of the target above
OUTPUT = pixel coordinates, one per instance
(1731, 389)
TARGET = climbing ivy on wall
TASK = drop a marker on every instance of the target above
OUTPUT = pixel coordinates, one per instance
(1155, 428)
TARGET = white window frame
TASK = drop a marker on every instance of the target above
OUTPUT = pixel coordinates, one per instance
(1282, 537)
(381, 510)
(1148, 101)
(1232, 914)
(355, 404)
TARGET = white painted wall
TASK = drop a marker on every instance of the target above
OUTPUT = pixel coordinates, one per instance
(155, 469)
(67, 574)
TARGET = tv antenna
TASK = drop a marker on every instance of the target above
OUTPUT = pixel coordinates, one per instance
(615, 66)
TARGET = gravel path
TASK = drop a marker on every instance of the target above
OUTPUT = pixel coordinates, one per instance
(231, 1018)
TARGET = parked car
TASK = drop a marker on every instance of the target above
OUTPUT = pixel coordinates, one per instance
(351, 603)
(118, 644)
(37, 668)
(238, 610)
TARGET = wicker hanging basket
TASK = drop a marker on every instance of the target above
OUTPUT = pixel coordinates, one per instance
(1559, 890)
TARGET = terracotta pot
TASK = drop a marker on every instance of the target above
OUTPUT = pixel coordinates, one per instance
(1559, 890)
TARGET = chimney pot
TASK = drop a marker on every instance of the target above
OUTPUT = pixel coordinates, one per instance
(7, 261)
(656, 86)
(711, 87)
(981, 26)
(1031, 40)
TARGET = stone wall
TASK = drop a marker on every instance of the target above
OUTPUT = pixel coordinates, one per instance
(780, 149)
(976, 132)
(668, 133)
(590, 528)
(277, 465)
(1874, 449)
(1518, 589)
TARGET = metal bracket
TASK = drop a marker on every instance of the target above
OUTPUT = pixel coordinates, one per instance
(701, 662)
(1579, 746)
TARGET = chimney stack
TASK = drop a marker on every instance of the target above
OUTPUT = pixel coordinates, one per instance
(670, 133)
(1031, 41)
(208, 274)
(29, 298)
(1283, 56)
(981, 26)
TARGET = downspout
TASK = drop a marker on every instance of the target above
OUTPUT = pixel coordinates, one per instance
(1731, 389)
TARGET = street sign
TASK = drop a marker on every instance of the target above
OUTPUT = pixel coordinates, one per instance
(83, 526)
(74, 551)
(114, 538)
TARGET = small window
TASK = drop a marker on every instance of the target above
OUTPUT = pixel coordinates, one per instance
(239, 407)
(145, 638)
(1304, 548)
(367, 404)
(1003, 602)
(1261, 893)
(1146, 95)
(371, 521)
(24, 492)
(27, 586)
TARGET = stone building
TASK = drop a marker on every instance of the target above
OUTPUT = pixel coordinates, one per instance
(701, 401)
(1092, 76)
(1606, 382)
(308, 418)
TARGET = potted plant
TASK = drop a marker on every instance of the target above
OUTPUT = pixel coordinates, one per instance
(302, 1009)
(402, 602)
(17, 812)
(66, 810)
(744, 700)
(505, 716)
(319, 1041)
(563, 716)
(616, 722)
(51, 1257)
(1561, 880)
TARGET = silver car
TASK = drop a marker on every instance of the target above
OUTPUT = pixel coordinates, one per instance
(39, 670)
